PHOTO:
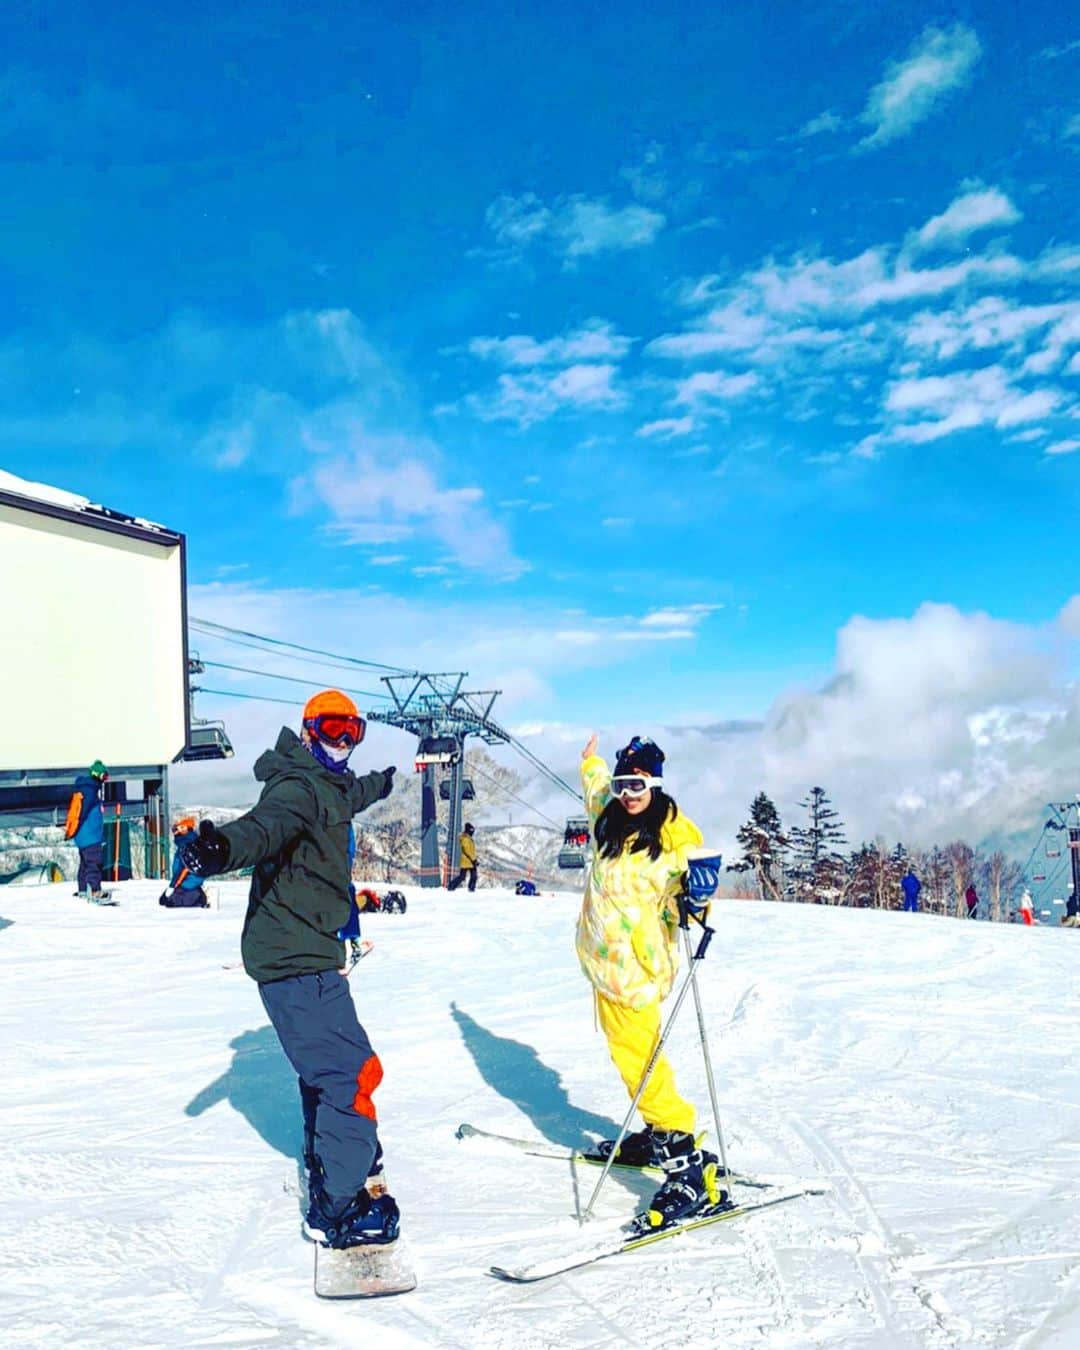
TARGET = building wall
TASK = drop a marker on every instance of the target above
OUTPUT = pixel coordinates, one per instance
(92, 631)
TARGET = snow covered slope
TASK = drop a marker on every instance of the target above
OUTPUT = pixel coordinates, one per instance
(925, 1068)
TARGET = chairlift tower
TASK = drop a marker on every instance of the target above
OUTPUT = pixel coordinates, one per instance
(440, 713)
(1068, 814)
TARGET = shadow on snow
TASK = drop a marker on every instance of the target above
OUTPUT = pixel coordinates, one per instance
(261, 1085)
(517, 1073)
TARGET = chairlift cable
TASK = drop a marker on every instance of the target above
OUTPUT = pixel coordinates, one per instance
(292, 679)
(256, 698)
(474, 769)
(217, 628)
(326, 664)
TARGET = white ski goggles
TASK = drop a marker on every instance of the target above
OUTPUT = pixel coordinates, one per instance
(633, 785)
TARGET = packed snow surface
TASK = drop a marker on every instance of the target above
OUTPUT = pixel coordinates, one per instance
(923, 1068)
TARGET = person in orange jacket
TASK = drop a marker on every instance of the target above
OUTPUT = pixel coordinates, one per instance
(85, 827)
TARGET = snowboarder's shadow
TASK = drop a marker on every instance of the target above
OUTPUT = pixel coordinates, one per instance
(517, 1073)
(261, 1085)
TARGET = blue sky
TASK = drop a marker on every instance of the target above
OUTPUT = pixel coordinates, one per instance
(622, 357)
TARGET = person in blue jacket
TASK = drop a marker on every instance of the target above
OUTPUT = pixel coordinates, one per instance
(85, 826)
(911, 886)
(185, 889)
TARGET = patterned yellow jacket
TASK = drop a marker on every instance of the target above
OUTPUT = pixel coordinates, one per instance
(628, 927)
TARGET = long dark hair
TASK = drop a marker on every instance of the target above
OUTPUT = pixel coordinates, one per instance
(615, 825)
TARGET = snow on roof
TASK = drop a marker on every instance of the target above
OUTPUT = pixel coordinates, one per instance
(42, 492)
(45, 492)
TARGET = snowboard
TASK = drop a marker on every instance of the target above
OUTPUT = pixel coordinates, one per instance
(363, 1272)
(373, 1271)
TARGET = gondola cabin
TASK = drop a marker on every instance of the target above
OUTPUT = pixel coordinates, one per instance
(438, 750)
(575, 845)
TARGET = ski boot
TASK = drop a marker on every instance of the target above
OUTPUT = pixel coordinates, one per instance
(642, 1148)
(690, 1183)
(362, 1221)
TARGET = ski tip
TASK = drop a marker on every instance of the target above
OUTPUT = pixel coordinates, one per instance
(463, 1131)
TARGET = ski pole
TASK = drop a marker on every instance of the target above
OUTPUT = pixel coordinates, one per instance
(587, 1212)
(708, 1059)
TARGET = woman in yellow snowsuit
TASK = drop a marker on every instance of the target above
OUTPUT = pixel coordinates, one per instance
(627, 943)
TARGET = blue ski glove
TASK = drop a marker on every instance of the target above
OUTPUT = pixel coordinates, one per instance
(701, 880)
(208, 854)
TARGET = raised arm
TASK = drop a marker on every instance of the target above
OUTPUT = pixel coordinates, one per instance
(284, 812)
(595, 779)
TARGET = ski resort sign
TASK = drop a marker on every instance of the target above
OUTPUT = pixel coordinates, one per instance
(92, 612)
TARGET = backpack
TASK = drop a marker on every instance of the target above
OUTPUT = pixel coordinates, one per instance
(74, 811)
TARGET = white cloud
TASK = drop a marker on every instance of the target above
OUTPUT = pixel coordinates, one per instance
(385, 486)
(990, 322)
(963, 726)
(978, 209)
(1063, 448)
(824, 122)
(825, 332)
(1072, 127)
(587, 227)
(939, 61)
(575, 226)
(595, 340)
(667, 427)
(706, 385)
(686, 616)
(534, 397)
(962, 400)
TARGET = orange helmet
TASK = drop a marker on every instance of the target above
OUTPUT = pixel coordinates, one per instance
(330, 701)
(184, 825)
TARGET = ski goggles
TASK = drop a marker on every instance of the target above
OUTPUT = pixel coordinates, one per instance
(634, 785)
(342, 729)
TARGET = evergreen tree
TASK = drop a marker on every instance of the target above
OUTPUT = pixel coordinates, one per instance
(764, 844)
(819, 871)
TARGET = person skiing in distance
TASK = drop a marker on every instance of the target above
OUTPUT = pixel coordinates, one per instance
(299, 839)
(627, 946)
(467, 855)
(85, 827)
(911, 886)
(1027, 908)
(971, 898)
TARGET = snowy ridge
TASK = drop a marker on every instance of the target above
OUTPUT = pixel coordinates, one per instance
(920, 1067)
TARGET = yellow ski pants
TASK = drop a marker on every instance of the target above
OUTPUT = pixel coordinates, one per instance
(632, 1034)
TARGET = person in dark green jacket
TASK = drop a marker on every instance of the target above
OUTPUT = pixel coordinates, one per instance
(299, 840)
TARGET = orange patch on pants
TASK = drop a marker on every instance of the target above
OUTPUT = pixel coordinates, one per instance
(367, 1080)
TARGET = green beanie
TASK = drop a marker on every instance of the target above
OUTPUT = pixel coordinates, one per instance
(98, 770)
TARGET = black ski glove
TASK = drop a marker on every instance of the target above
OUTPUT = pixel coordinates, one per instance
(208, 854)
(388, 786)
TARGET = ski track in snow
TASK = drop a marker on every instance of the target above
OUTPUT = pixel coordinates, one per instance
(920, 1067)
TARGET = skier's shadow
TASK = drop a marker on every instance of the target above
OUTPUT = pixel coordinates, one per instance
(261, 1085)
(6, 923)
(517, 1073)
